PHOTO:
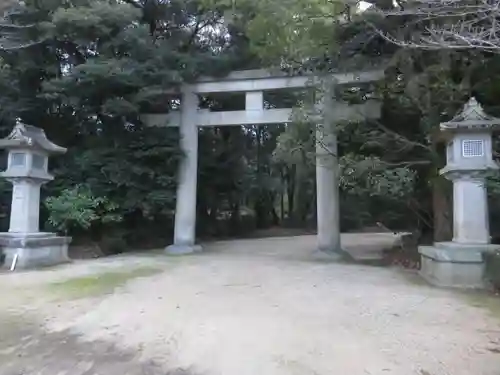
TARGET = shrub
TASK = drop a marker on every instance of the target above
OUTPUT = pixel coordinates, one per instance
(77, 208)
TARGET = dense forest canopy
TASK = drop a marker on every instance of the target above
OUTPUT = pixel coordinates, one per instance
(84, 71)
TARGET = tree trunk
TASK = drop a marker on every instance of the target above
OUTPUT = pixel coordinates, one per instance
(297, 196)
(442, 209)
(441, 191)
(300, 198)
(290, 185)
(235, 217)
(276, 219)
(282, 199)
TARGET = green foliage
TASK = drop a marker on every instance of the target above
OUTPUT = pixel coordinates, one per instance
(135, 169)
(77, 208)
(293, 29)
(286, 31)
(295, 145)
(85, 24)
(493, 183)
(370, 175)
(362, 171)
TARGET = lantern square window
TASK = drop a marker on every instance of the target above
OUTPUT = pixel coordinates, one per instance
(17, 159)
(38, 162)
(472, 148)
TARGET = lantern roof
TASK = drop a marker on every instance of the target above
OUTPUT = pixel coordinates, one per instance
(31, 137)
(472, 116)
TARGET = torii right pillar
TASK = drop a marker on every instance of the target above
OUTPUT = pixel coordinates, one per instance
(459, 263)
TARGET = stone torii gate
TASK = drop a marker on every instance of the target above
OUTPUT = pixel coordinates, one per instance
(253, 83)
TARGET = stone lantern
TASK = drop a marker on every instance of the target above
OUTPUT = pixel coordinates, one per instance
(27, 169)
(459, 263)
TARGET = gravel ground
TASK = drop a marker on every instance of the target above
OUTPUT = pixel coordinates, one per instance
(267, 307)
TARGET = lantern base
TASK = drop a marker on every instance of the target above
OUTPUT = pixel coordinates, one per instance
(454, 265)
(33, 250)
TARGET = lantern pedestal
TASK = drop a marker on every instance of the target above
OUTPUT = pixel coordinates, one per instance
(34, 249)
(453, 264)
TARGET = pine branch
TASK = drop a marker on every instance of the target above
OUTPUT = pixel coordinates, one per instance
(19, 46)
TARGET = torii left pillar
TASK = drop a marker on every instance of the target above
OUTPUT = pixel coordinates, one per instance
(185, 209)
(327, 190)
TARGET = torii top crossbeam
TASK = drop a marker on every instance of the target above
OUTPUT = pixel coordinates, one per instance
(254, 83)
(265, 80)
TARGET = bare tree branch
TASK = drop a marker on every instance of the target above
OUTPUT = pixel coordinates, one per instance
(400, 137)
(444, 24)
(135, 4)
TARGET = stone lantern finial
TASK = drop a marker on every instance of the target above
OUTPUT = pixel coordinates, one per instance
(472, 110)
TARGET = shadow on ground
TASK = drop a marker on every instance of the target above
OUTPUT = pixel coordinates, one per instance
(25, 348)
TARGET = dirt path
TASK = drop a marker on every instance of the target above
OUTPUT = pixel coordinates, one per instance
(267, 307)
